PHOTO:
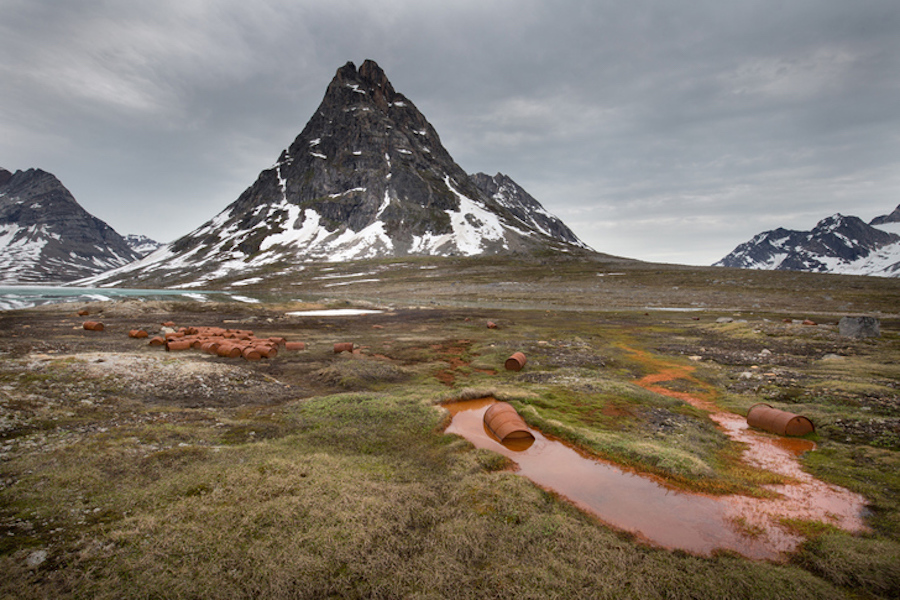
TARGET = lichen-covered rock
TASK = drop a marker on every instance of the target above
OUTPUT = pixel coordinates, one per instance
(859, 327)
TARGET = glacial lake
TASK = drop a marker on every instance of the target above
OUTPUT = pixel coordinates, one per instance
(26, 296)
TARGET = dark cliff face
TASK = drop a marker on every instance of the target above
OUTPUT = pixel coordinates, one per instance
(370, 172)
(49, 236)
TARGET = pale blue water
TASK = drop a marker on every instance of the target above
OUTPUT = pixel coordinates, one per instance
(25, 296)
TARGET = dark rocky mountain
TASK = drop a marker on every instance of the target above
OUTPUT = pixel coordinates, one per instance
(838, 244)
(47, 237)
(524, 207)
(890, 222)
(141, 244)
(367, 177)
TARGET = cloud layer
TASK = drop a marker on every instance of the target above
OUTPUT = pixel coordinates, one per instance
(656, 130)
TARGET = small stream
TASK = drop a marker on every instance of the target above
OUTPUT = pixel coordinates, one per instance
(672, 518)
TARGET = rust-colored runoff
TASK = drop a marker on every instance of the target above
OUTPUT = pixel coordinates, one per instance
(93, 326)
(138, 333)
(343, 347)
(516, 362)
(762, 416)
(504, 422)
(294, 346)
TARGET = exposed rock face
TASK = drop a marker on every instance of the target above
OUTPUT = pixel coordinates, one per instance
(837, 244)
(523, 207)
(367, 177)
(47, 237)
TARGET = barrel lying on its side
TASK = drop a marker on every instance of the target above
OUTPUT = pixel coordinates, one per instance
(762, 416)
(505, 423)
(515, 362)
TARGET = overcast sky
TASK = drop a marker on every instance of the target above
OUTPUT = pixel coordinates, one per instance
(665, 131)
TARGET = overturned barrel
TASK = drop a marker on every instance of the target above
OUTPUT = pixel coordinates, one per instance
(343, 347)
(93, 326)
(515, 362)
(504, 422)
(762, 416)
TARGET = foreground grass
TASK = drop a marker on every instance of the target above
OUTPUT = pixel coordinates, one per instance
(360, 499)
(349, 489)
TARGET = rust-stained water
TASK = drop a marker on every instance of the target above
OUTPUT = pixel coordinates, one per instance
(672, 518)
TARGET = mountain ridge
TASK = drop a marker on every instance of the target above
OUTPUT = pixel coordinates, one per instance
(47, 237)
(367, 177)
(837, 244)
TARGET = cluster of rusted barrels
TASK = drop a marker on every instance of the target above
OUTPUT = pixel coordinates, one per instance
(229, 343)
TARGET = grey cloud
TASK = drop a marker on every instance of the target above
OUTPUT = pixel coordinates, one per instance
(663, 131)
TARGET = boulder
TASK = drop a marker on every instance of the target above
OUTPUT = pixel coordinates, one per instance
(860, 327)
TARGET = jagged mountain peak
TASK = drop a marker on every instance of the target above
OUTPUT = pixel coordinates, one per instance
(367, 177)
(893, 217)
(47, 237)
(837, 244)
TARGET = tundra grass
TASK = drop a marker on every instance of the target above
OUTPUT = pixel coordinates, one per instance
(354, 491)
(361, 498)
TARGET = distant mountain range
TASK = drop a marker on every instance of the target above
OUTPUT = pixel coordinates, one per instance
(367, 177)
(47, 237)
(837, 244)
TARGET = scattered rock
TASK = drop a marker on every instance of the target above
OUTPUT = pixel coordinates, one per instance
(859, 327)
(724, 320)
(36, 558)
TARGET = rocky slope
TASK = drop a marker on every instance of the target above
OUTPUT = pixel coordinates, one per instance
(47, 237)
(367, 177)
(141, 244)
(838, 244)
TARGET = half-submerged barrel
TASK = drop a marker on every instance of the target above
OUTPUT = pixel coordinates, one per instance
(343, 347)
(762, 416)
(504, 422)
(515, 362)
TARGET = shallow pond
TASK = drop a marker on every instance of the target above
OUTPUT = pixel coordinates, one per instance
(661, 515)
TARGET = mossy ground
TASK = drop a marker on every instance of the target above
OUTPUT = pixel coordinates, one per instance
(129, 473)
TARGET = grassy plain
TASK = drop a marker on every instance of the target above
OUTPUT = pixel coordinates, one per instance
(128, 472)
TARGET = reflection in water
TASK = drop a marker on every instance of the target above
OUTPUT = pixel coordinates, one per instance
(656, 513)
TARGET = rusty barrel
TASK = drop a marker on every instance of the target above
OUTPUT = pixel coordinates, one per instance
(343, 347)
(178, 345)
(137, 333)
(294, 346)
(762, 416)
(93, 325)
(516, 362)
(505, 423)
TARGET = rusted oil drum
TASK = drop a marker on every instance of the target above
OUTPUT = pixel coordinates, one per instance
(138, 333)
(516, 362)
(504, 422)
(252, 353)
(278, 341)
(762, 416)
(294, 346)
(229, 350)
(178, 345)
(93, 326)
(343, 347)
(158, 341)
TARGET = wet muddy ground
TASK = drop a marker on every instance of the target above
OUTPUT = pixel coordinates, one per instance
(652, 382)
